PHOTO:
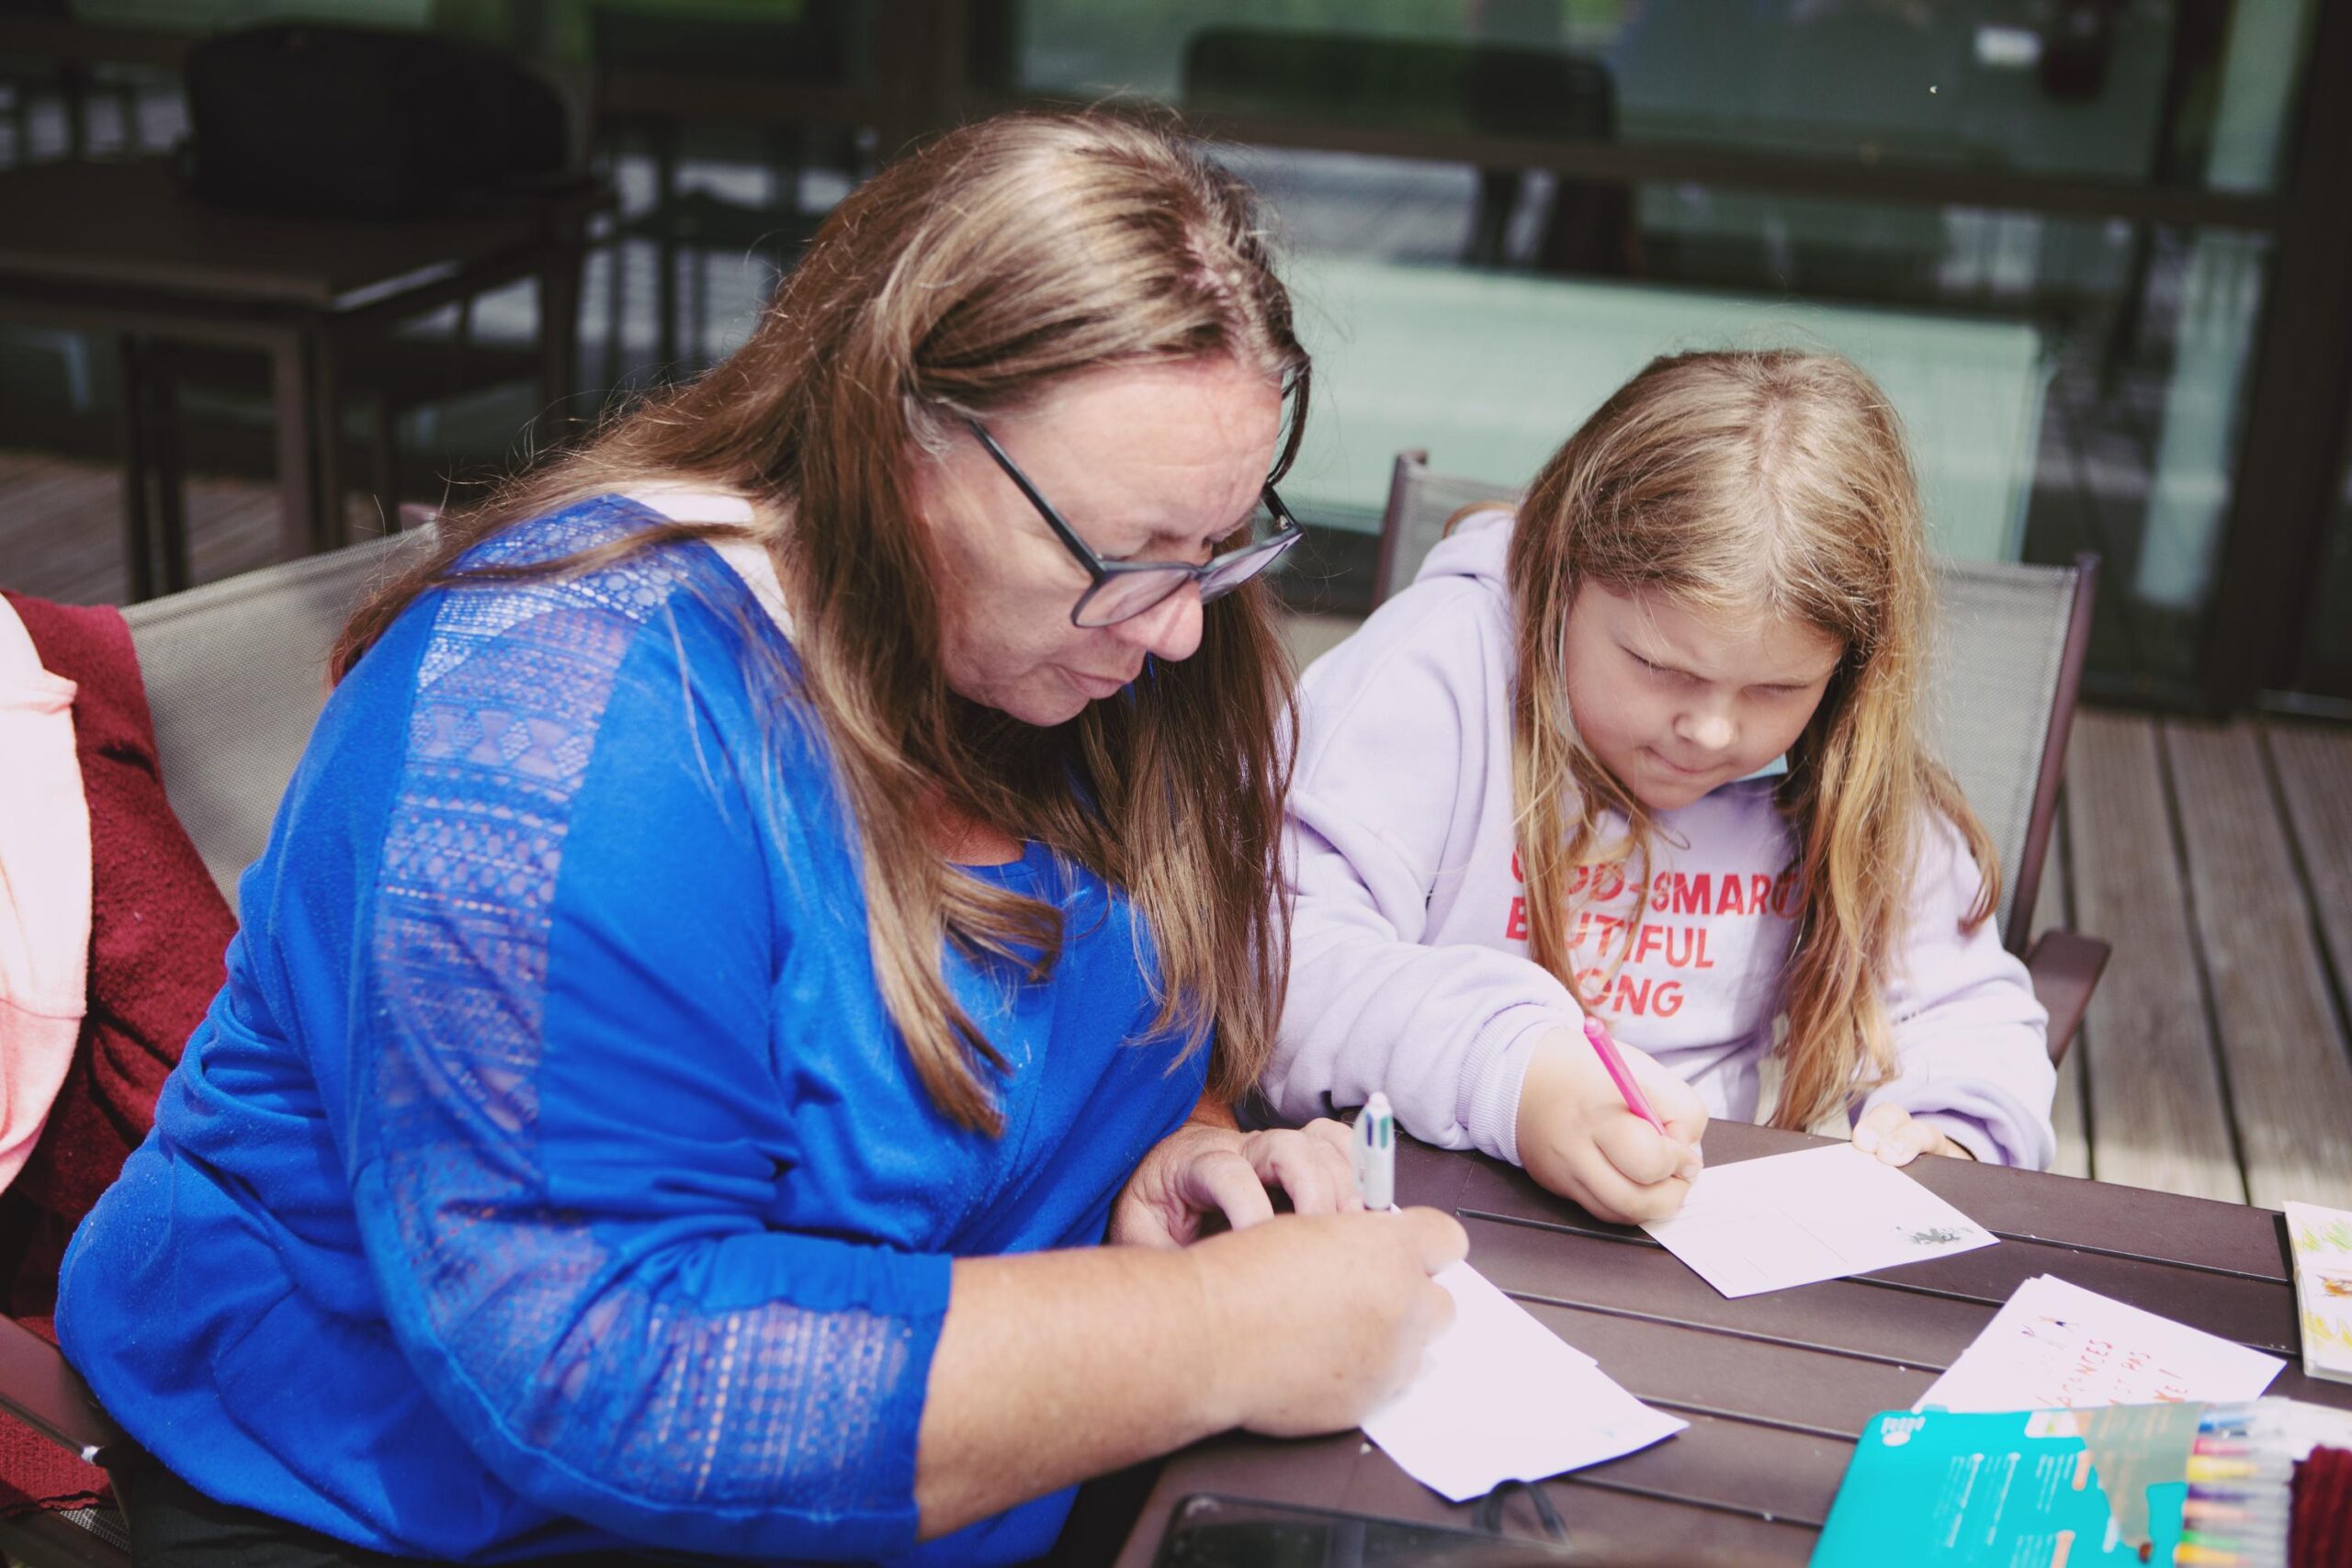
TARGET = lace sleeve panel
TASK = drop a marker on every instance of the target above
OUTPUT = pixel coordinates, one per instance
(570, 1121)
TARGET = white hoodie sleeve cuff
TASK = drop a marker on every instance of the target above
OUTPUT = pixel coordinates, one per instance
(1493, 1072)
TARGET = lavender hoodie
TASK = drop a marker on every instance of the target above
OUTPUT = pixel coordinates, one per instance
(1410, 972)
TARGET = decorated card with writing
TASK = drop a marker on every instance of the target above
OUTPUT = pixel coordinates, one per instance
(2321, 1240)
(1766, 1225)
(2055, 1346)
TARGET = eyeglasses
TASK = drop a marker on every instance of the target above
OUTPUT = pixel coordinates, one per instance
(1122, 589)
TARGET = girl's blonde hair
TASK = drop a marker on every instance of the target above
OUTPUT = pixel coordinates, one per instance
(1742, 483)
(974, 277)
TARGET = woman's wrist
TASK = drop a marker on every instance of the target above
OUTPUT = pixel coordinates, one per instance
(1218, 1338)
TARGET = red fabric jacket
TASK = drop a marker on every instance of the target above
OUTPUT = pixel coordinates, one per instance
(159, 929)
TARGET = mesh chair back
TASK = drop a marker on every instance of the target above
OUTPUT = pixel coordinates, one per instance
(2001, 679)
(1419, 502)
(2001, 674)
(236, 674)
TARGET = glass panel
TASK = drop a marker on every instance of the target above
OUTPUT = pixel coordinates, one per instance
(2327, 646)
(176, 15)
(2066, 384)
(2164, 91)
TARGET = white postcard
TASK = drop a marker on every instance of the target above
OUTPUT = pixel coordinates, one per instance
(1501, 1397)
(1766, 1225)
(2055, 1346)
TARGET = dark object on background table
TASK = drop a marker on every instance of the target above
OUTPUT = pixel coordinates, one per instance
(2077, 49)
(1239, 1532)
(354, 122)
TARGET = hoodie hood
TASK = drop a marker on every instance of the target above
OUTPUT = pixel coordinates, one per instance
(1478, 547)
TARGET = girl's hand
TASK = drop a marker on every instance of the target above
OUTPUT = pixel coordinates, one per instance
(1317, 1319)
(1577, 1137)
(1203, 1169)
(1891, 1133)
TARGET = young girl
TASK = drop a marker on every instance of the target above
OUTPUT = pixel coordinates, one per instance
(1648, 749)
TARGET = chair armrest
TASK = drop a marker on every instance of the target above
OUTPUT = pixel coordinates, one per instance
(40, 1389)
(2065, 967)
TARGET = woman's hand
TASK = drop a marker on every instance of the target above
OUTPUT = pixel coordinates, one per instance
(1577, 1137)
(1315, 1320)
(1205, 1168)
(1892, 1134)
(1054, 1365)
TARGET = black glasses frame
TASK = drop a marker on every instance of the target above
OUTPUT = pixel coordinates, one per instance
(1219, 576)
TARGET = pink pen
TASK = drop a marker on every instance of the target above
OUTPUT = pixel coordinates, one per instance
(1619, 1075)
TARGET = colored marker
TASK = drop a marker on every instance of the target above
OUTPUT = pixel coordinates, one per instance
(2229, 1446)
(1373, 1148)
(1619, 1075)
(2202, 1468)
(2230, 1551)
(2223, 1513)
(2188, 1554)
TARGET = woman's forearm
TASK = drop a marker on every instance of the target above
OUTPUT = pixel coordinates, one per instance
(1056, 1366)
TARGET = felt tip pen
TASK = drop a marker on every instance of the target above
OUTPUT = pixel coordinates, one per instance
(2229, 1446)
(2223, 1503)
(1620, 1075)
(1373, 1148)
(2189, 1555)
(2233, 1552)
(2206, 1509)
(2202, 1468)
(2225, 1537)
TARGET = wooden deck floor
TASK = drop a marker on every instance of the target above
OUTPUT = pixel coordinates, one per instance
(2216, 1059)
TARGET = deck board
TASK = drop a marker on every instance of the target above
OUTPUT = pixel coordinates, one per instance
(2315, 773)
(2053, 909)
(2150, 1069)
(61, 532)
(2290, 1087)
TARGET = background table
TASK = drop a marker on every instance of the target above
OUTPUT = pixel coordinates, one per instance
(123, 247)
(1777, 1387)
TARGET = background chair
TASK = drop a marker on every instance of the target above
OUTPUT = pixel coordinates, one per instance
(696, 71)
(235, 674)
(1445, 85)
(2002, 682)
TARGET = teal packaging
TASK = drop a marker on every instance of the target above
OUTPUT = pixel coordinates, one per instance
(2020, 1489)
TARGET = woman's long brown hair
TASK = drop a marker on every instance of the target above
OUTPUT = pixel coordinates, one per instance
(1738, 483)
(974, 277)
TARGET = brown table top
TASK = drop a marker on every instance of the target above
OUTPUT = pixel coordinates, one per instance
(1777, 1388)
(131, 225)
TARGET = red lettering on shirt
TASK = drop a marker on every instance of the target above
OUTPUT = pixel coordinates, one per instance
(1692, 895)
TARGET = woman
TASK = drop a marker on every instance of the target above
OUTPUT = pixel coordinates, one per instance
(758, 895)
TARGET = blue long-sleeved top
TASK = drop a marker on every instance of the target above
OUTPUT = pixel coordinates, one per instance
(548, 1175)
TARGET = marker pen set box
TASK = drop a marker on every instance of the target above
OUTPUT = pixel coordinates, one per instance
(2258, 1484)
